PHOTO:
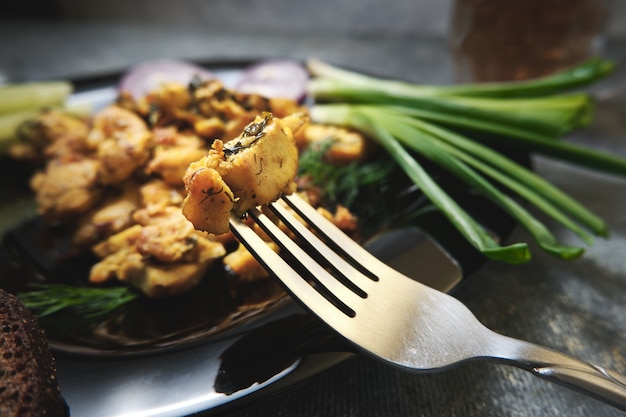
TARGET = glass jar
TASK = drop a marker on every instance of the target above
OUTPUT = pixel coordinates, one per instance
(501, 40)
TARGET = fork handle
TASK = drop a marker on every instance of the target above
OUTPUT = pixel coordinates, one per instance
(595, 381)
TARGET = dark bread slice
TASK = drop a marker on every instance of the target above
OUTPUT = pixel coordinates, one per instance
(28, 383)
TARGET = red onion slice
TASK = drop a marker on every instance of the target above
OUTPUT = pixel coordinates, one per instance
(147, 76)
(275, 79)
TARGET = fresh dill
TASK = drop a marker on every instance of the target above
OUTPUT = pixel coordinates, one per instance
(89, 303)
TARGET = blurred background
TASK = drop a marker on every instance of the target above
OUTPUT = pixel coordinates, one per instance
(43, 38)
(277, 16)
(362, 17)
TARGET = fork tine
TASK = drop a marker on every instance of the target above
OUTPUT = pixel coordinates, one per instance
(350, 273)
(337, 239)
(325, 291)
(271, 261)
(307, 263)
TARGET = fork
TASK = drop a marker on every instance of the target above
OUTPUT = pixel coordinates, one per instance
(390, 316)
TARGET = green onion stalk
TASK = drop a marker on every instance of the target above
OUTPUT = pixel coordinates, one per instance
(453, 127)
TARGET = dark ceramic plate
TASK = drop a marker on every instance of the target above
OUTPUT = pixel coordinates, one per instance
(205, 350)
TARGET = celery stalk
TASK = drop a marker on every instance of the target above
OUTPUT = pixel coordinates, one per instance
(18, 97)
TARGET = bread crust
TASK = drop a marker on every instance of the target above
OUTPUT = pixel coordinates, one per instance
(28, 383)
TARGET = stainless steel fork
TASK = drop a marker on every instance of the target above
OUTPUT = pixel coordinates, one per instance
(392, 317)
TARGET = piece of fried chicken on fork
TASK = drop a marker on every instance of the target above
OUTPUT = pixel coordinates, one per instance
(251, 170)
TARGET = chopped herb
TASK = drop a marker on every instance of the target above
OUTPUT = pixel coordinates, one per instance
(370, 189)
(341, 182)
(256, 128)
(195, 83)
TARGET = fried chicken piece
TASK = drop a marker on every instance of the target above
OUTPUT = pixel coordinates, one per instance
(66, 188)
(227, 112)
(167, 280)
(154, 279)
(162, 255)
(262, 163)
(209, 200)
(81, 163)
(172, 97)
(209, 108)
(116, 243)
(157, 194)
(253, 169)
(173, 153)
(223, 113)
(51, 134)
(283, 107)
(122, 143)
(244, 265)
(166, 236)
(114, 214)
(342, 218)
(346, 145)
(116, 252)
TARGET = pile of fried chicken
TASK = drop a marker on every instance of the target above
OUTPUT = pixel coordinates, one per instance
(148, 184)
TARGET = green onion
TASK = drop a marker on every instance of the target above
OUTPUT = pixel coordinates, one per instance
(578, 76)
(451, 126)
(525, 140)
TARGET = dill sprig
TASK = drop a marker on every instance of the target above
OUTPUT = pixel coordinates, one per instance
(87, 302)
(375, 190)
(340, 182)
